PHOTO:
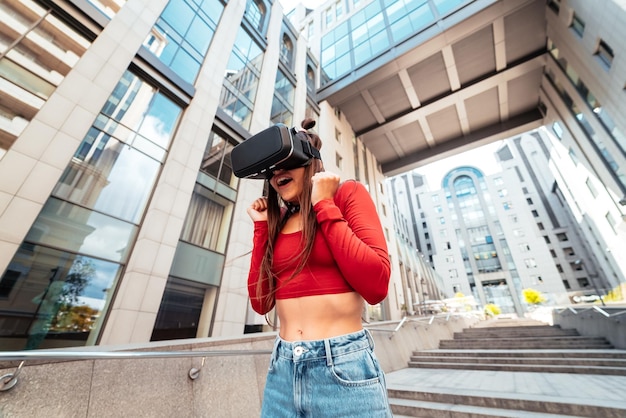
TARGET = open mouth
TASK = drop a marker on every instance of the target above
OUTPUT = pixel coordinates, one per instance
(283, 181)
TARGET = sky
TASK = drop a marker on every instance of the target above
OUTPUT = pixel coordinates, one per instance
(482, 158)
(290, 4)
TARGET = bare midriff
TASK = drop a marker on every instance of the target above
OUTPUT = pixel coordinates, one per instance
(318, 317)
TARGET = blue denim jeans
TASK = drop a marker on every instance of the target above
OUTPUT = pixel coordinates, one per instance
(335, 377)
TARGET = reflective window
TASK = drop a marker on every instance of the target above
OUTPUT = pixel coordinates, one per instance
(242, 79)
(336, 51)
(58, 301)
(216, 161)
(444, 6)
(407, 17)
(182, 35)
(282, 105)
(369, 37)
(65, 225)
(115, 167)
(37, 52)
(286, 51)
(69, 258)
(255, 14)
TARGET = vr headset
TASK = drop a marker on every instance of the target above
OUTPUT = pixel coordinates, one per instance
(274, 148)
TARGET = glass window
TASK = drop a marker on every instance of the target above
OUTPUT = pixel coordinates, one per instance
(605, 53)
(554, 5)
(578, 25)
(180, 310)
(611, 221)
(216, 161)
(60, 300)
(338, 160)
(255, 14)
(310, 79)
(591, 187)
(208, 220)
(444, 6)
(286, 51)
(115, 167)
(242, 79)
(282, 105)
(112, 174)
(183, 33)
(65, 225)
(558, 130)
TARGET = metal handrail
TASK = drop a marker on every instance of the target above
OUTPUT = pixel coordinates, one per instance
(592, 308)
(406, 319)
(95, 355)
(393, 331)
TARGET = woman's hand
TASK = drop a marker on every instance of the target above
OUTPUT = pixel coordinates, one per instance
(258, 210)
(325, 184)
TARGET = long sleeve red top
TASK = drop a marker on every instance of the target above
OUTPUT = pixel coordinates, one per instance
(349, 252)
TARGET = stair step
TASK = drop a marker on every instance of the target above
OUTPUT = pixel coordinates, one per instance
(533, 338)
(517, 343)
(521, 360)
(540, 404)
(412, 408)
(548, 333)
(545, 345)
(595, 354)
(538, 368)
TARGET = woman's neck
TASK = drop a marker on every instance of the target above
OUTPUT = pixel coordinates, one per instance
(293, 223)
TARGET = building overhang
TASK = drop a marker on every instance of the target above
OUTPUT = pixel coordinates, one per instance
(472, 78)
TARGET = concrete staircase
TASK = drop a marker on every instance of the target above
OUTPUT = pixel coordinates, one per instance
(513, 368)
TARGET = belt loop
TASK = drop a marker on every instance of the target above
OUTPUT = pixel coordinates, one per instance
(275, 349)
(329, 353)
(369, 338)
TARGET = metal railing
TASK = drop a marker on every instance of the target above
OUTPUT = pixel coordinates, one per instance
(428, 319)
(594, 308)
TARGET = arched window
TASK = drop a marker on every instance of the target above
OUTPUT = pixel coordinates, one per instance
(310, 79)
(286, 51)
(255, 13)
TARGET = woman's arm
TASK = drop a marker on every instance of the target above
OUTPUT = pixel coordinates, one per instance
(352, 229)
(258, 251)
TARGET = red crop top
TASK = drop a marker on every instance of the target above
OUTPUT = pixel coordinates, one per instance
(349, 252)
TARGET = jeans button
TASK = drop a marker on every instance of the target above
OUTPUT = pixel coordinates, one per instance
(298, 351)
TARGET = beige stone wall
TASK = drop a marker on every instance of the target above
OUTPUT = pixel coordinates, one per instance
(227, 386)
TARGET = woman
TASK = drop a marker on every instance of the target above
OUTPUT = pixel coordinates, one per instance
(319, 251)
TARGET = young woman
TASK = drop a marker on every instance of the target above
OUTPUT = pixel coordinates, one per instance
(319, 252)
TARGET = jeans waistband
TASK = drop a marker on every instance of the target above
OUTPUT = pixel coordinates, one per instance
(319, 349)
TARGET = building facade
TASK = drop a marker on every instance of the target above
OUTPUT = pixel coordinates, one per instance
(494, 235)
(120, 218)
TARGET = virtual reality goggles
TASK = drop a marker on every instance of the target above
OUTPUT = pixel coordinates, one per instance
(274, 148)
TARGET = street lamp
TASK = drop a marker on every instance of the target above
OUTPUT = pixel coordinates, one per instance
(580, 262)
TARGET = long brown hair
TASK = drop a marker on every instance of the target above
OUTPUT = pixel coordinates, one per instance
(277, 216)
